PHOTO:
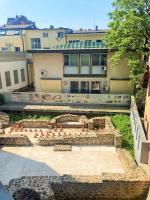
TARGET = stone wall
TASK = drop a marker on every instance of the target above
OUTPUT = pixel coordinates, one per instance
(101, 139)
(132, 185)
(4, 120)
(25, 123)
(14, 140)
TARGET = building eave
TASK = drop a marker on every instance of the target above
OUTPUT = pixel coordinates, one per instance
(100, 50)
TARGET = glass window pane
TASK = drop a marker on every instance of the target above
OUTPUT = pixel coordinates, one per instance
(95, 87)
(84, 87)
(22, 75)
(35, 43)
(16, 79)
(104, 59)
(7, 78)
(85, 60)
(74, 87)
(74, 60)
(95, 59)
(66, 60)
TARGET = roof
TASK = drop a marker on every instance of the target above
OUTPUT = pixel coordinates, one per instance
(81, 46)
(89, 31)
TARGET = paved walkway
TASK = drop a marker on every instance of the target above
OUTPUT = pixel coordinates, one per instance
(16, 162)
(65, 109)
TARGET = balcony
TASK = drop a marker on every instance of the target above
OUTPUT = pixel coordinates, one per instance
(85, 71)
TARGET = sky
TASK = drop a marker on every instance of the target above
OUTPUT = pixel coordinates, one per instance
(73, 14)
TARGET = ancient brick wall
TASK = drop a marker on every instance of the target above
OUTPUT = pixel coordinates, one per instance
(14, 140)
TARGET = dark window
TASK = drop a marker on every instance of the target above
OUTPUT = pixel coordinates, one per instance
(84, 87)
(22, 75)
(7, 78)
(16, 79)
(95, 87)
(104, 59)
(98, 41)
(35, 43)
(17, 48)
(0, 82)
(66, 60)
(74, 87)
(95, 59)
(45, 35)
(60, 34)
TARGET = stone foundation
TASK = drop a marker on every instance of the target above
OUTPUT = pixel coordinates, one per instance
(4, 120)
(132, 185)
(14, 140)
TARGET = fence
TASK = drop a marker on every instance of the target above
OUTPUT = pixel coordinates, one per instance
(141, 144)
(66, 98)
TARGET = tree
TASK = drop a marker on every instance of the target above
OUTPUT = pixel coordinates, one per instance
(129, 34)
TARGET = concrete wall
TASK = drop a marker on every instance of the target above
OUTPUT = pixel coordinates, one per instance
(12, 41)
(66, 99)
(10, 62)
(141, 144)
(52, 64)
(120, 86)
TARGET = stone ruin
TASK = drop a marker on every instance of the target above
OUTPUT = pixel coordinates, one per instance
(132, 185)
(63, 130)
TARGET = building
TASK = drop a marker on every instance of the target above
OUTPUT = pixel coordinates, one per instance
(19, 20)
(12, 35)
(81, 65)
(13, 71)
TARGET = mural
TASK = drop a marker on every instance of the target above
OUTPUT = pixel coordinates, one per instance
(69, 98)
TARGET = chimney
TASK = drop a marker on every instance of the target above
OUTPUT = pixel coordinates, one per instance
(96, 28)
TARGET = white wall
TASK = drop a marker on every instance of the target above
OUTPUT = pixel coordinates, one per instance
(10, 66)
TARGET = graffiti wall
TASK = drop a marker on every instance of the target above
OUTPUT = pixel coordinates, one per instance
(67, 98)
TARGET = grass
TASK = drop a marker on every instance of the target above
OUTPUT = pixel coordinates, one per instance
(123, 125)
(16, 117)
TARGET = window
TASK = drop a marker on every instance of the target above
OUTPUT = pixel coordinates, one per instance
(98, 41)
(66, 60)
(74, 60)
(4, 49)
(104, 59)
(17, 48)
(45, 35)
(96, 59)
(60, 34)
(71, 60)
(0, 82)
(35, 43)
(22, 75)
(85, 59)
(95, 87)
(16, 79)
(7, 78)
(84, 87)
(74, 87)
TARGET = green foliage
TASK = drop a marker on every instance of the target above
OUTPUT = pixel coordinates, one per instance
(16, 117)
(129, 34)
(140, 99)
(122, 124)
